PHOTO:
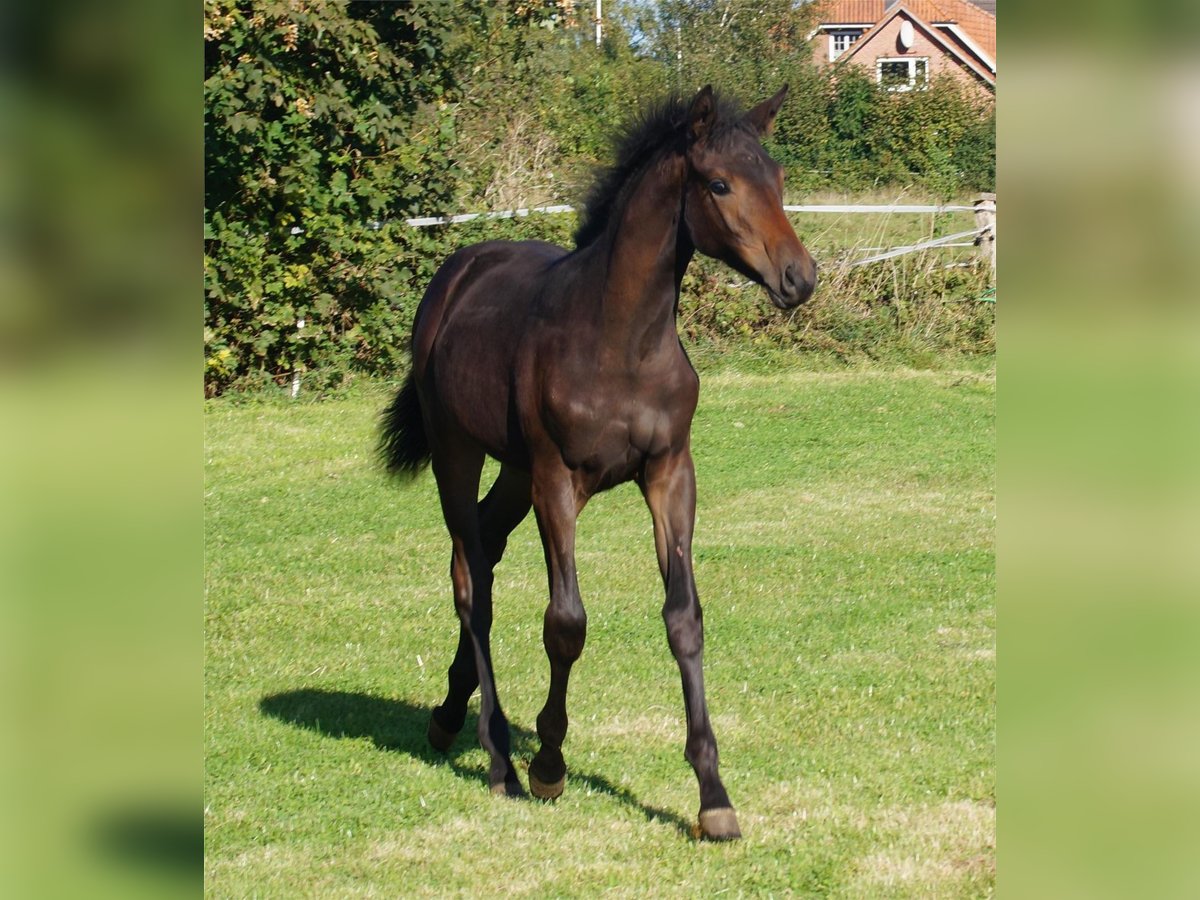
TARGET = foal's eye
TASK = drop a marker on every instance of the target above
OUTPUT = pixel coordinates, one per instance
(717, 186)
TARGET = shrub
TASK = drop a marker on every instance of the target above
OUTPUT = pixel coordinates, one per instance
(326, 125)
(905, 309)
(322, 123)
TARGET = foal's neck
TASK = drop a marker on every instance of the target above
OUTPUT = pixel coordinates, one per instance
(647, 255)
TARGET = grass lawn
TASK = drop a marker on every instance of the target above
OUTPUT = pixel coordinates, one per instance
(844, 559)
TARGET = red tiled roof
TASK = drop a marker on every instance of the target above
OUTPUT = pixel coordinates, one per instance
(970, 60)
(849, 12)
(926, 9)
(978, 24)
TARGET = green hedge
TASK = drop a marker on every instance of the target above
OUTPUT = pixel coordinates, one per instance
(326, 125)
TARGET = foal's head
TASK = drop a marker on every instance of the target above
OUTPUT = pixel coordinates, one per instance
(733, 205)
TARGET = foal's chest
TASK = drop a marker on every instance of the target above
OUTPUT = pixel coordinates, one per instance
(606, 431)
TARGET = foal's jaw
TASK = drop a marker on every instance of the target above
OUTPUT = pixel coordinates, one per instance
(777, 299)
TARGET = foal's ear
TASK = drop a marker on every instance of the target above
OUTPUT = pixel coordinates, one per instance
(762, 117)
(701, 114)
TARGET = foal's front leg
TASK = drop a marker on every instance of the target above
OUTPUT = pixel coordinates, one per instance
(669, 486)
(557, 505)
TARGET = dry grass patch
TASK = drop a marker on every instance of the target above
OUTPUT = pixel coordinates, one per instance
(934, 851)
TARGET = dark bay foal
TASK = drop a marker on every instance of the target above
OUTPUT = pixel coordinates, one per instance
(566, 366)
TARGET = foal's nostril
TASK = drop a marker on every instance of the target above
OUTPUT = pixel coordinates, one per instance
(795, 284)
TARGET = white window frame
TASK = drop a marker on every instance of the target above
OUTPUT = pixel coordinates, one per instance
(911, 62)
(850, 34)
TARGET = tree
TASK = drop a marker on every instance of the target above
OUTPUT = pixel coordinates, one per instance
(324, 123)
(752, 45)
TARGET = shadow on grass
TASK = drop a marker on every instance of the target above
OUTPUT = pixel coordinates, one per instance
(397, 726)
(168, 838)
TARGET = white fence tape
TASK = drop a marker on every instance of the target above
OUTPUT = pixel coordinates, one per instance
(425, 221)
(502, 214)
(833, 208)
(947, 241)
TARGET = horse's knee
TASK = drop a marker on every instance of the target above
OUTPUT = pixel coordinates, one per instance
(565, 631)
(685, 628)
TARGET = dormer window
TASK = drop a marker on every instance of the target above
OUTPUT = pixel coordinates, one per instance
(903, 74)
(840, 41)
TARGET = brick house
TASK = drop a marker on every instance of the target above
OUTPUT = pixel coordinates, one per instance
(906, 42)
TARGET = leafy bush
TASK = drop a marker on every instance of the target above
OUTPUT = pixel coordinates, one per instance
(323, 122)
(907, 309)
(326, 125)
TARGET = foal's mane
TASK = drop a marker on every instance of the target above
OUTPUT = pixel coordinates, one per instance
(657, 125)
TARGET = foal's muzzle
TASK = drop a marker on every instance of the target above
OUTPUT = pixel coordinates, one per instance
(796, 283)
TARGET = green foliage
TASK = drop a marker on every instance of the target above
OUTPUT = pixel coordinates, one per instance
(907, 310)
(321, 122)
(543, 104)
(752, 46)
(849, 134)
(974, 154)
(326, 125)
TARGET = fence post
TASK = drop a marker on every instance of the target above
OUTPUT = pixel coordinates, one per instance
(296, 365)
(985, 217)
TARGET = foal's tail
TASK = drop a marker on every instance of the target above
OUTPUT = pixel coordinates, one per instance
(403, 444)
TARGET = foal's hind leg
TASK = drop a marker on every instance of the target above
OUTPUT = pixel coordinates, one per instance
(565, 624)
(502, 510)
(457, 466)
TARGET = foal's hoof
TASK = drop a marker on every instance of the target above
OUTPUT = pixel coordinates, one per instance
(511, 787)
(439, 738)
(719, 824)
(544, 791)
